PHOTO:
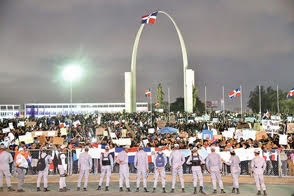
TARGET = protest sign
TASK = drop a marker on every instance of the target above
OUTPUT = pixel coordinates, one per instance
(247, 134)
(283, 140)
(274, 117)
(28, 139)
(250, 119)
(51, 133)
(63, 131)
(261, 135)
(10, 125)
(125, 141)
(290, 128)
(42, 139)
(38, 133)
(123, 133)
(271, 126)
(21, 124)
(105, 133)
(100, 131)
(199, 118)
(257, 126)
(232, 129)
(76, 123)
(228, 134)
(151, 130)
(58, 140)
(241, 153)
(161, 123)
(289, 118)
(215, 120)
(145, 142)
(207, 134)
(31, 124)
(6, 130)
(217, 137)
(112, 135)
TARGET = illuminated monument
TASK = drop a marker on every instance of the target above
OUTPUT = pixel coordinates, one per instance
(130, 77)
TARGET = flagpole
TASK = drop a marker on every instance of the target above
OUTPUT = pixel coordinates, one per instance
(278, 104)
(205, 97)
(223, 98)
(259, 100)
(168, 95)
(151, 106)
(241, 99)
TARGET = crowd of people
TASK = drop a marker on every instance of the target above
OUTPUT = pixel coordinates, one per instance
(82, 134)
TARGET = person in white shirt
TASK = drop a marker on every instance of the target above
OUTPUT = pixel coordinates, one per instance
(43, 172)
(5, 160)
(21, 165)
(84, 167)
(62, 168)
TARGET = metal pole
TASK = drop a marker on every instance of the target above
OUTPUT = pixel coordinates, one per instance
(151, 107)
(168, 95)
(70, 91)
(241, 99)
(223, 98)
(259, 100)
(205, 98)
(278, 104)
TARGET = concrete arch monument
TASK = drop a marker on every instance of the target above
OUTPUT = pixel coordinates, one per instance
(130, 77)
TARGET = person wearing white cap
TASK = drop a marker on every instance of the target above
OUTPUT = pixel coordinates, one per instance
(160, 162)
(176, 161)
(196, 161)
(21, 165)
(234, 162)
(141, 164)
(258, 166)
(5, 160)
(123, 160)
(84, 168)
(62, 167)
(43, 167)
(106, 162)
(214, 167)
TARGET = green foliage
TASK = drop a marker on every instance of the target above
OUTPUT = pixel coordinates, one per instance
(160, 95)
(178, 105)
(269, 101)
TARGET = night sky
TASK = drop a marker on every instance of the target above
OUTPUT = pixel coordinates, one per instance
(229, 42)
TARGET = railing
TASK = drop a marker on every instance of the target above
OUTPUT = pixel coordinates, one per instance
(278, 163)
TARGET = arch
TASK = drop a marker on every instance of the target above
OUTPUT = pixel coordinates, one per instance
(134, 61)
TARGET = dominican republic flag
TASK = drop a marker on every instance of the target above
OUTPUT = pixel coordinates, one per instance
(149, 19)
(235, 93)
(148, 93)
(290, 93)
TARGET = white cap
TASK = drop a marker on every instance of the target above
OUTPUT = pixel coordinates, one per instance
(107, 147)
(256, 151)
(62, 146)
(20, 149)
(232, 150)
(212, 147)
(176, 145)
(126, 147)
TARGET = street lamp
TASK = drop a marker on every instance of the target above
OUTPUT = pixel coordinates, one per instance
(71, 73)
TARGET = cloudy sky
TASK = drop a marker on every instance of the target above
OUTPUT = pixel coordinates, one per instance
(229, 42)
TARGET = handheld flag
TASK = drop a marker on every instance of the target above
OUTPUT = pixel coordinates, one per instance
(290, 93)
(235, 93)
(148, 93)
(149, 19)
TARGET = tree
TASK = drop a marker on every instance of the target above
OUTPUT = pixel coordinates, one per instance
(160, 95)
(195, 92)
(178, 105)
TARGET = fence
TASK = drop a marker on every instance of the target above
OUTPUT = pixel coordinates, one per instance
(278, 163)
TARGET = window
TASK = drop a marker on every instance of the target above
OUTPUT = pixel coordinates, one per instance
(10, 107)
(16, 107)
(3, 107)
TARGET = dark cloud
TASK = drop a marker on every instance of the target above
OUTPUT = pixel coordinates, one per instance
(228, 43)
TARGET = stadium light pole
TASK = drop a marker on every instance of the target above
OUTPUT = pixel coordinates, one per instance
(71, 73)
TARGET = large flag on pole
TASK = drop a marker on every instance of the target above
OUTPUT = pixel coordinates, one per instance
(149, 19)
(148, 93)
(235, 93)
(290, 93)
